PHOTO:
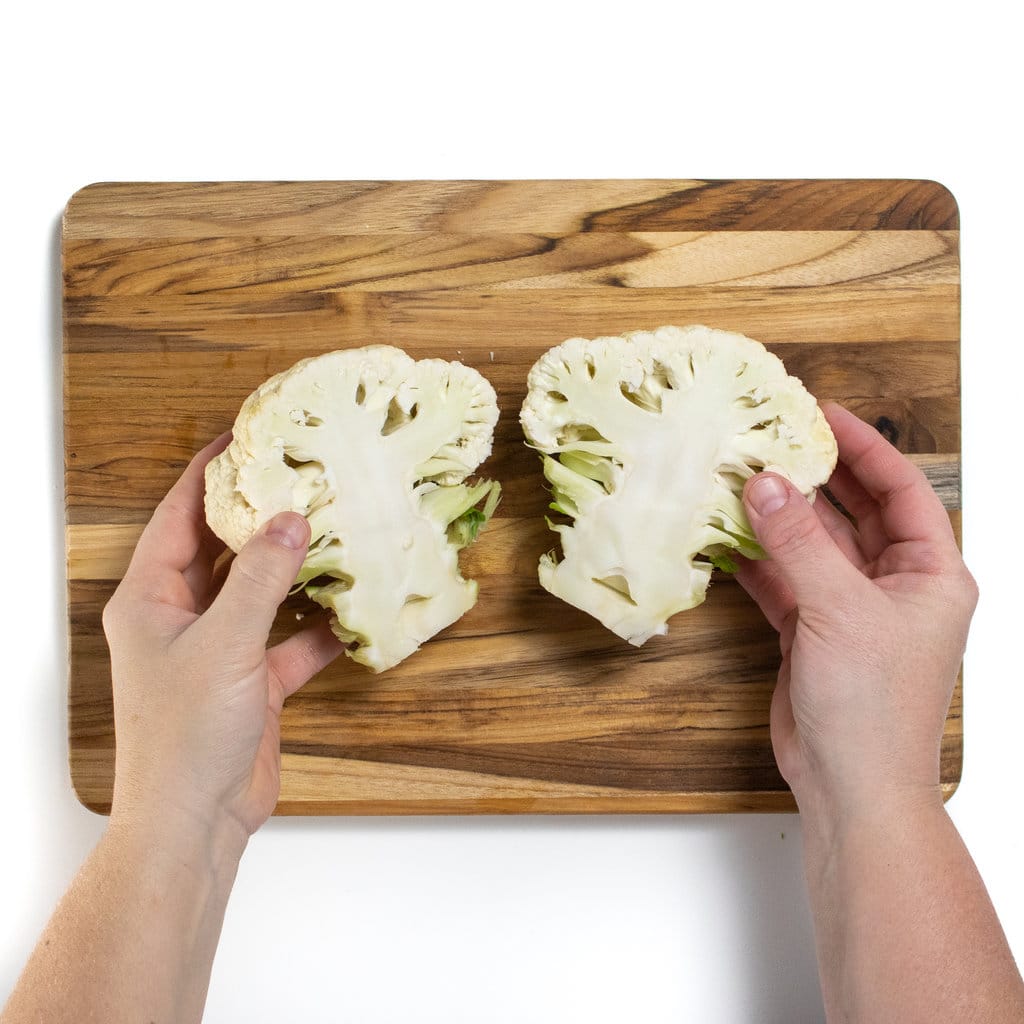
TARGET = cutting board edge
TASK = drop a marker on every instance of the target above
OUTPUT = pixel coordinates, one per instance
(724, 802)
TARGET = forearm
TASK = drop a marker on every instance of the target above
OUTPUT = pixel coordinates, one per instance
(135, 935)
(904, 926)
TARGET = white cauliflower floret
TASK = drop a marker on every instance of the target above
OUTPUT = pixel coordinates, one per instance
(373, 448)
(647, 441)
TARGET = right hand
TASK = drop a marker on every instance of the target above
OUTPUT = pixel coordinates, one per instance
(872, 621)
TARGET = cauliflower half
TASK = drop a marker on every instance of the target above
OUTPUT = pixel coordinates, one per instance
(647, 440)
(373, 448)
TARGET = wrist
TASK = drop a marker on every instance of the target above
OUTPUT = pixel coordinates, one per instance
(877, 797)
(832, 823)
(180, 842)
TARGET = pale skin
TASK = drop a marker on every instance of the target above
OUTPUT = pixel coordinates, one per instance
(872, 619)
(872, 623)
(197, 697)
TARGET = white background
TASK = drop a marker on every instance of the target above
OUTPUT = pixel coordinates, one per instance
(518, 919)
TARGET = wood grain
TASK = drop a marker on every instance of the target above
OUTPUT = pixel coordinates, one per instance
(180, 298)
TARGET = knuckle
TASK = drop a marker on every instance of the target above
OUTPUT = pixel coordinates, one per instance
(793, 531)
(257, 570)
(958, 589)
(969, 589)
(114, 613)
(932, 558)
(251, 575)
(303, 660)
(307, 654)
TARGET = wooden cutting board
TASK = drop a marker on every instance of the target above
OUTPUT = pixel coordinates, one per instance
(181, 298)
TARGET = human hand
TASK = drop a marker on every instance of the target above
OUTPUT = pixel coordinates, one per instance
(872, 622)
(197, 695)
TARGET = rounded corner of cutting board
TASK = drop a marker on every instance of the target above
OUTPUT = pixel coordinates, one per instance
(79, 197)
(947, 196)
(90, 803)
(86, 791)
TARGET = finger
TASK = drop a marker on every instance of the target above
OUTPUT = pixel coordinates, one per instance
(840, 529)
(172, 537)
(909, 508)
(762, 580)
(295, 661)
(218, 574)
(200, 573)
(864, 509)
(258, 581)
(794, 537)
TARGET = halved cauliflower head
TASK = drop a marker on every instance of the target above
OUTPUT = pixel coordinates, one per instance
(647, 442)
(373, 448)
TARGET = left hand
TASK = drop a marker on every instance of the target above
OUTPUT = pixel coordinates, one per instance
(197, 695)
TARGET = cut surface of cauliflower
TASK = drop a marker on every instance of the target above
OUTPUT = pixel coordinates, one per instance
(373, 448)
(647, 440)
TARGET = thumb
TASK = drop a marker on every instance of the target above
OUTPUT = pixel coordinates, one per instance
(793, 536)
(259, 579)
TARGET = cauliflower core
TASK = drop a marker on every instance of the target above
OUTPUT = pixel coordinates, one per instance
(647, 441)
(373, 448)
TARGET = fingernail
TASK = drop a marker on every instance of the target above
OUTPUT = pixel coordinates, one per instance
(287, 529)
(767, 494)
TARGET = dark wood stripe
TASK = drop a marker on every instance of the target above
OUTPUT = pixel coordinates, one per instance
(817, 205)
(250, 270)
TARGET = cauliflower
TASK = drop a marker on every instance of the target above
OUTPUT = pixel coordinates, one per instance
(373, 448)
(647, 440)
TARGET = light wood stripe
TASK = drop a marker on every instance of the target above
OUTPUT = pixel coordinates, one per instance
(426, 262)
